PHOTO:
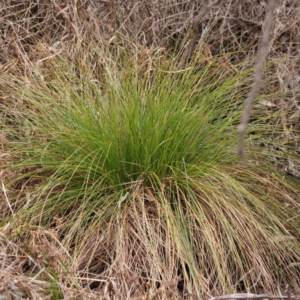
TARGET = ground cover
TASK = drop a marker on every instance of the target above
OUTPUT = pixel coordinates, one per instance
(119, 174)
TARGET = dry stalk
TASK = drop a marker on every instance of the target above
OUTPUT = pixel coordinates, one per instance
(257, 79)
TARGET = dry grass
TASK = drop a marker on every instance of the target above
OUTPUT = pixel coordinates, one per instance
(42, 263)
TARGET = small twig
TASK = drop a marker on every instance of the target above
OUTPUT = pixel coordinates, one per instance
(244, 296)
(289, 293)
(196, 33)
(257, 79)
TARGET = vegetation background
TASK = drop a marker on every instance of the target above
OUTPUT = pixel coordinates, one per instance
(138, 243)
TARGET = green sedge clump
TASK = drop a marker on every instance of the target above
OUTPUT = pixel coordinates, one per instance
(143, 155)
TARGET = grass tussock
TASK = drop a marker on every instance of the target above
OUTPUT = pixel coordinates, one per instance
(130, 163)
